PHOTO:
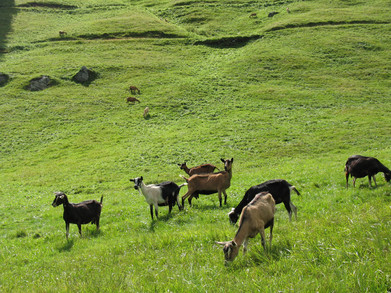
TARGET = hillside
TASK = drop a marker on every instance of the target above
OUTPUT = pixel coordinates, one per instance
(289, 96)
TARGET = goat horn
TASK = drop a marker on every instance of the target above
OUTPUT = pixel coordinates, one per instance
(221, 243)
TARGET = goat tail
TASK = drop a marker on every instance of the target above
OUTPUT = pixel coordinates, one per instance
(101, 199)
(186, 179)
(180, 186)
(294, 188)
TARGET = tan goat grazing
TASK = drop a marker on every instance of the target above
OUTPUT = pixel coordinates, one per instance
(255, 217)
(202, 169)
(146, 112)
(209, 183)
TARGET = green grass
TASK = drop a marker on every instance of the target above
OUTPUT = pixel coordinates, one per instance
(287, 97)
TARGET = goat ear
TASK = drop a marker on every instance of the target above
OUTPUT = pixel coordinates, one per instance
(232, 160)
(141, 177)
(131, 180)
(222, 160)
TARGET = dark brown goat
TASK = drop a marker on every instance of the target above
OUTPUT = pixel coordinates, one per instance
(132, 100)
(134, 90)
(78, 213)
(202, 169)
(359, 166)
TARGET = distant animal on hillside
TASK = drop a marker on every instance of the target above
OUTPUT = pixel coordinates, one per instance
(132, 100)
(146, 112)
(134, 90)
(62, 33)
(253, 15)
(359, 166)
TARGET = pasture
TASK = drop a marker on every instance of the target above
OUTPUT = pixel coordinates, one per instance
(290, 96)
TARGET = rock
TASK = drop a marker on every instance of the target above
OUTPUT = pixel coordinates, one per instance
(84, 76)
(4, 78)
(39, 83)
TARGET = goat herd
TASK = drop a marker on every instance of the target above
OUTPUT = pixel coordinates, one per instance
(256, 209)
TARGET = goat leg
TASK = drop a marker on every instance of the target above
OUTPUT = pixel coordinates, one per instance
(271, 232)
(262, 232)
(225, 197)
(67, 229)
(151, 210)
(79, 226)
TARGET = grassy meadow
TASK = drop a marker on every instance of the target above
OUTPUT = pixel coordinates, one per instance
(290, 96)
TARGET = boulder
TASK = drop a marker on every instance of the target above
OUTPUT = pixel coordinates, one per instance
(4, 78)
(39, 83)
(84, 76)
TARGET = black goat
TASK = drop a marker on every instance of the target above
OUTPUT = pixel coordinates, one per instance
(359, 166)
(78, 213)
(280, 190)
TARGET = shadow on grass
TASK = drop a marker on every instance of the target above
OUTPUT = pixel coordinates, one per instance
(256, 255)
(67, 246)
(162, 218)
(7, 13)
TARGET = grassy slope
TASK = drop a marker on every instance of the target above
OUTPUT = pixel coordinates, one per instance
(314, 85)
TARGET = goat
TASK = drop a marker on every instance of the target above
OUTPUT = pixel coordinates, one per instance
(146, 112)
(78, 213)
(62, 33)
(132, 100)
(280, 190)
(359, 166)
(253, 15)
(209, 183)
(202, 169)
(134, 90)
(255, 217)
(165, 193)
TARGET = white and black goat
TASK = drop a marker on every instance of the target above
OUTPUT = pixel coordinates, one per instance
(78, 213)
(255, 218)
(280, 189)
(162, 194)
(209, 183)
(202, 169)
(359, 166)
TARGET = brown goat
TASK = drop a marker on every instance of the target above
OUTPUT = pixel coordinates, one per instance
(62, 33)
(134, 90)
(210, 183)
(132, 100)
(255, 217)
(202, 169)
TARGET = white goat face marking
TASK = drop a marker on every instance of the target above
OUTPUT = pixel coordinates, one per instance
(137, 182)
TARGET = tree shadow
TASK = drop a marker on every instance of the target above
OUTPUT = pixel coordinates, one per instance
(7, 13)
